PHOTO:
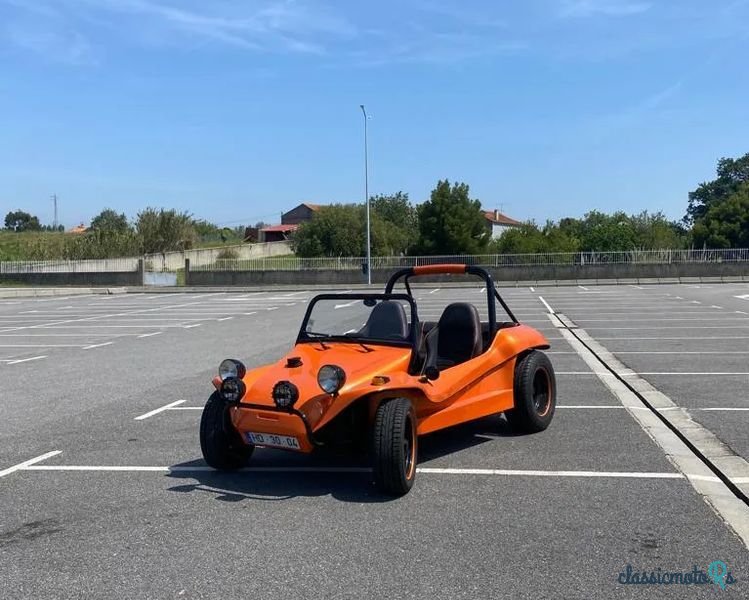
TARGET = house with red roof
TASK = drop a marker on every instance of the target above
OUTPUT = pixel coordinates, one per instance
(290, 221)
(498, 223)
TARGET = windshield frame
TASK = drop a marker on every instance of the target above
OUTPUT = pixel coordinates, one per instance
(303, 338)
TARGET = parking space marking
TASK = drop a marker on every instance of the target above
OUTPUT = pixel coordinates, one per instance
(225, 319)
(40, 345)
(153, 333)
(721, 352)
(191, 326)
(426, 470)
(27, 463)
(706, 457)
(24, 360)
(92, 346)
(546, 304)
(435, 290)
(156, 411)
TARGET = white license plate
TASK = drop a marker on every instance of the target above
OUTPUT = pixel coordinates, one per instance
(271, 439)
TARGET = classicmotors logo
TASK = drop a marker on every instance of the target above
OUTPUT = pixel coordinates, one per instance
(717, 573)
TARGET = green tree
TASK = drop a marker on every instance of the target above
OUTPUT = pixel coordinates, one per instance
(395, 220)
(655, 232)
(600, 232)
(450, 222)
(732, 174)
(20, 220)
(164, 230)
(725, 224)
(530, 239)
(335, 230)
(109, 221)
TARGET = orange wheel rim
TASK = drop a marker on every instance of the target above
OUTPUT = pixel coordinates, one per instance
(542, 392)
(409, 449)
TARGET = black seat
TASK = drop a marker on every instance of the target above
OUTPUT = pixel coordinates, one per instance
(387, 321)
(456, 338)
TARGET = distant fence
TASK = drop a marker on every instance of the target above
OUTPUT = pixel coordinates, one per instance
(633, 257)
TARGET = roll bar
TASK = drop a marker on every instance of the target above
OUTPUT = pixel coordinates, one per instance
(454, 269)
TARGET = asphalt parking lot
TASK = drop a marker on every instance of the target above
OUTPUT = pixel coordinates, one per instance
(105, 494)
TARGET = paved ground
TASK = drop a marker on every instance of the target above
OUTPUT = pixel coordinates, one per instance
(127, 508)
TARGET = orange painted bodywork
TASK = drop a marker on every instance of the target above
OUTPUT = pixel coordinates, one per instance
(479, 387)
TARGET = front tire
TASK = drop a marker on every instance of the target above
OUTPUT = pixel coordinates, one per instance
(535, 392)
(220, 443)
(394, 446)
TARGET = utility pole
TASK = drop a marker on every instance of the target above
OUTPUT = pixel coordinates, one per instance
(54, 200)
(366, 198)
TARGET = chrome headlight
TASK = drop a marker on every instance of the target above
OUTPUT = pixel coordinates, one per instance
(231, 368)
(285, 394)
(232, 390)
(331, 378)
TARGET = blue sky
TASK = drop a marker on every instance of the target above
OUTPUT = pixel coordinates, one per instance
(236, 110)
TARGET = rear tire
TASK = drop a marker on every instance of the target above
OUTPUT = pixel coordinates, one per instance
(535, 392)
(220, 443)
(394, 446)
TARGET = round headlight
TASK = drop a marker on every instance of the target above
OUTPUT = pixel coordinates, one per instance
(232, 390)
(331, 378)
(231, 368)
(285, 394)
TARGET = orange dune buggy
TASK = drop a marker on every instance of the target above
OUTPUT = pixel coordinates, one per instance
(365, 367)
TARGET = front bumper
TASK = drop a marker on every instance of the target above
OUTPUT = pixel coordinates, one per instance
(259, 418)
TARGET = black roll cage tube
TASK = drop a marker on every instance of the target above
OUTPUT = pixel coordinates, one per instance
(491, 291)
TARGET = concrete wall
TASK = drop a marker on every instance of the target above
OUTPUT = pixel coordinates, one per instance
(111, 278)
(78, 278)
(173, 261)
(533, 273)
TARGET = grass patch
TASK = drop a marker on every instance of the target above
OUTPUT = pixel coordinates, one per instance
(21, 246)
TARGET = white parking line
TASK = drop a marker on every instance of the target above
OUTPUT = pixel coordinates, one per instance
(158, 410)
(425, 470)
(145, 335)
(435, 290)
(582, 287)
(337, 306)
(546, 304)
(40, 345)
(532, 289)
(92, 346)
(23, 360)
(225, 319)
(27, 463)
(191, 326)
(678, 351)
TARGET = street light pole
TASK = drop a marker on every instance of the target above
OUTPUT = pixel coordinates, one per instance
(366, 198)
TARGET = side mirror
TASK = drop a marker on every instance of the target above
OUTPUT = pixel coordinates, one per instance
(432, 373)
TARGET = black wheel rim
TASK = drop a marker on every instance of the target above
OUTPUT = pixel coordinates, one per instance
(541, 392)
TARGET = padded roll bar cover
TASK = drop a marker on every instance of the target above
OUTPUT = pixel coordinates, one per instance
(438, 269)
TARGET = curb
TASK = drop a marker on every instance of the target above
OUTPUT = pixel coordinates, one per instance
(74, 291)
